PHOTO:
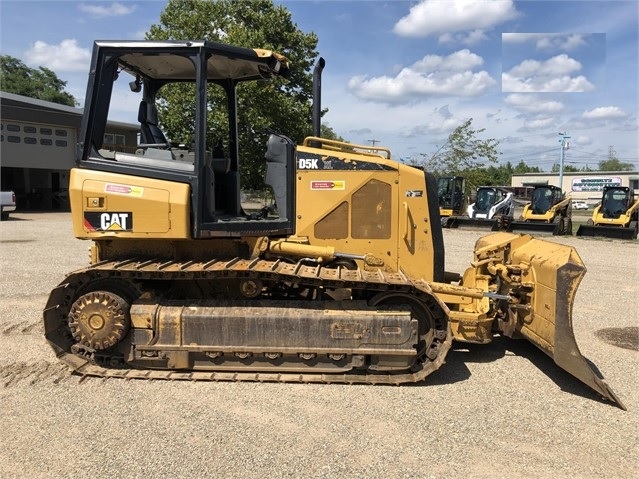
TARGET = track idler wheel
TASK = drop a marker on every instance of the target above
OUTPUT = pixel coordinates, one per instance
(99, 319)
(431, 335)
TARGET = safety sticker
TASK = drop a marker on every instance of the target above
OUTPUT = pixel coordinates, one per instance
(414, 193)
(328, 185)
(124, 189)
(108, 221)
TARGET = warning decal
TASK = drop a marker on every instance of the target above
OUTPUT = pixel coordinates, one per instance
(328, 185)
(124, 189)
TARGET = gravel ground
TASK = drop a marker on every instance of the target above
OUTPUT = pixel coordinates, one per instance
(500, 410)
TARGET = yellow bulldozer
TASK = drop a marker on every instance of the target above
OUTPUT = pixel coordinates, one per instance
(341, 280)
(548, 211)
(615, 216)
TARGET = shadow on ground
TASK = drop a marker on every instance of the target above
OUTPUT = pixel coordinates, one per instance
(455, 369)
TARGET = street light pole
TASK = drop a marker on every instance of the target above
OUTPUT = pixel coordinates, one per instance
(564, 144)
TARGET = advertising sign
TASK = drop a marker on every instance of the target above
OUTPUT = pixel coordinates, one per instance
(594, 183)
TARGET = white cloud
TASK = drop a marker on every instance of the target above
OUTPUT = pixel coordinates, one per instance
(540, 123)
(558, 65)
(444, 111)
(465, 38)
(361, 131)
(558, 41)
(552, 75)
(436, 126)
(604, 113)
(433, 75)
(511, 37)
(431, 17)
(561, 42)
(440, 121)
(65, 57)
(563, 84)
(458, 61)
(533, 103)
(583, 140)
(114, 10)
(511, 140)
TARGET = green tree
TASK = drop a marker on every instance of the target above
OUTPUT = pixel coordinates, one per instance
(567, 168)
(613, 164)
(284, 106)
(327, 132)
(40, 83)
(499, 175)
(465, 154)
(522, 167)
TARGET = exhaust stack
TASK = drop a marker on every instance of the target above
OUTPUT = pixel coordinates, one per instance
(317, 99)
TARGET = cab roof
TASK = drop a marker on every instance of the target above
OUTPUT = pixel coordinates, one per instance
(169, 60)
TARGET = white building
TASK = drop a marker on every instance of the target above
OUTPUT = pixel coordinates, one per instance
(38, 141)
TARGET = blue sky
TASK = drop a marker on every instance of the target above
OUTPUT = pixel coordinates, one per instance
(405, 74)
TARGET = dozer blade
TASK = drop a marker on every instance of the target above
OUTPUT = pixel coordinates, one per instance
(532, 227)
(607, 232)
(555, 272)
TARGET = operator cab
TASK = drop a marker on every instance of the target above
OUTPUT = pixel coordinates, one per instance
(544, 198)
(450, 192)
(615, 201)
(139, 87)
(486, 198)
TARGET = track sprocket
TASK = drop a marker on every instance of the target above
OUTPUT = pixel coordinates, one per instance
(99, 319)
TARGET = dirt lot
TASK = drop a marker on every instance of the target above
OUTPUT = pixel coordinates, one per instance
(502, 410)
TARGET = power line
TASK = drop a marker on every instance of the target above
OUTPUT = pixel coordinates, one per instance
(525, 156)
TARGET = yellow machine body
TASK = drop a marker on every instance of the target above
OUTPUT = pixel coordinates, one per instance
(382, 212)
(108, 205)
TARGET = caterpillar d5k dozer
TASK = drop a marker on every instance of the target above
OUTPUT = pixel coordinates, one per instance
(342, 282)
(549, 211)
(615, 217)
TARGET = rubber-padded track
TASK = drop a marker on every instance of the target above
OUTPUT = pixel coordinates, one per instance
(62, 297)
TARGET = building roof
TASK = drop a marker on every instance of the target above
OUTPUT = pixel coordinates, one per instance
(17, 100)
(578, 173)
(12, 103)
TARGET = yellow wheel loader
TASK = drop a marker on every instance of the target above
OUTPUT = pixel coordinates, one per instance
(342, 280)
(549, 211)
(615, 216)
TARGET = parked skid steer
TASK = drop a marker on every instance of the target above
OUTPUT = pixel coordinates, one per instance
(615, 217)
(549, 211)
(451, 196)
(493, 208)
(342, 280)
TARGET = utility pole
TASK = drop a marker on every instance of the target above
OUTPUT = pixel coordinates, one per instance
(374, 141)
(564, 146)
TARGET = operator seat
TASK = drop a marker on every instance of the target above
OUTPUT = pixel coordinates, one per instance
(150, 133)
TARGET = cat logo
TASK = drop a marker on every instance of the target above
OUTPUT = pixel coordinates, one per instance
(108, 221)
